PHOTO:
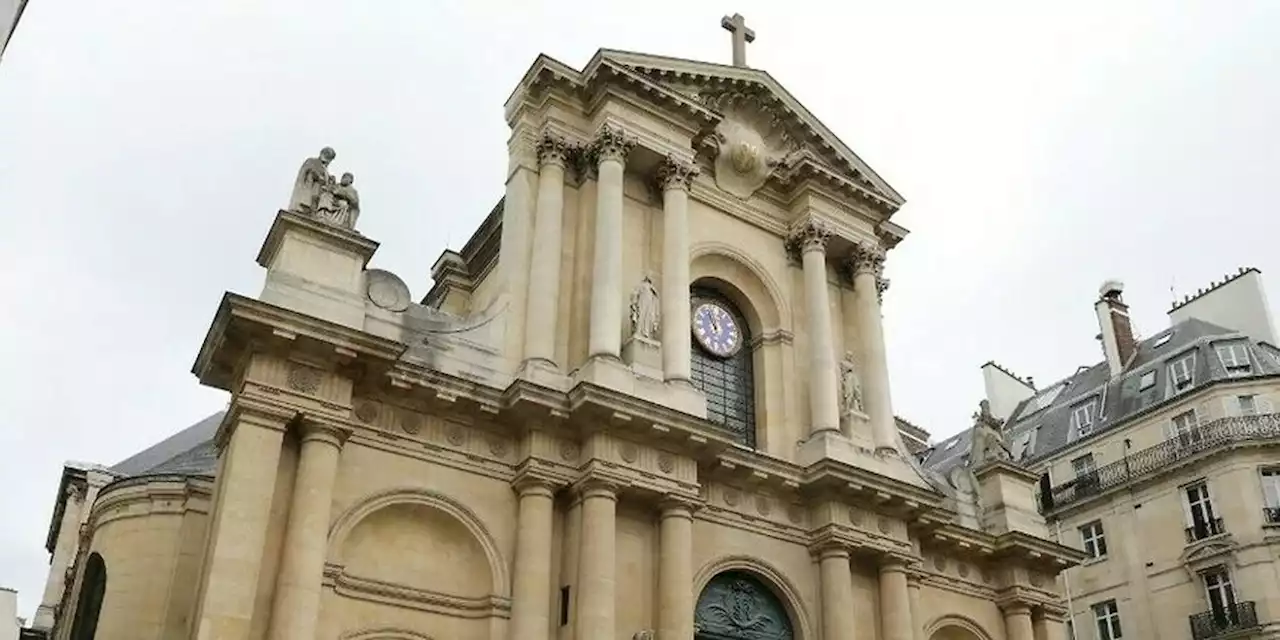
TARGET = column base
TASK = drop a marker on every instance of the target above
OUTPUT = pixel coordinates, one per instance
(544, 373)
(858, 451)
(614, 374)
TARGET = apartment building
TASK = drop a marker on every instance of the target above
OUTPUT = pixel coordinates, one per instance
(1162, 463)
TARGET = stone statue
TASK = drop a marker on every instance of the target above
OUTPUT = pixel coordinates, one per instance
(312, 183)
(346, 202)
(850, 387)
(987, 442)
(644, 310)
(647, 634)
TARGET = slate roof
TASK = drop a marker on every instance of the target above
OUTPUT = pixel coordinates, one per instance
(189, 452)
(1048, 413)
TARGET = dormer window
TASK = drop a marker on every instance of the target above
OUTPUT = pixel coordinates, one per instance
(1082, 418)
(1147, 381)
(1162, 340)
(1235, 357)
(1180, 372)
(951, 445)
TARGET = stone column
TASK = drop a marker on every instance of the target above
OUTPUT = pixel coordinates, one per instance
(1017, 622)
(1048, 626)
(917, 614)
(544, 270)
(868, 264)
(596, 567)
(64, 551)
(605, 337)
(297, 596)
(238, 529)
(895, 601)
(675, 176)
(531, 580)
(675, 571)
(811, 240)
(837, 594)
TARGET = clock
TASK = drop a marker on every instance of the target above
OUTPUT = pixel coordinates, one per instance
(716, 329)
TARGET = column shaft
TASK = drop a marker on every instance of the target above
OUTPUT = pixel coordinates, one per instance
(238, 532)
(298, 585)
(596, 568)
(531, 582)
(544, 271)
(675, 177)
(605, 337)
(917, 619)
(895, 603)
(1047, 628)
(868, 263)
(824, 407)
(675, 573)
(1017, 623)
(837, 595)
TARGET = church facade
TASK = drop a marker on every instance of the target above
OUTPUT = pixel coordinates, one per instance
(648, 399)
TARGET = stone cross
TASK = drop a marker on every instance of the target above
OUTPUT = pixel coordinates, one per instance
(737, 25)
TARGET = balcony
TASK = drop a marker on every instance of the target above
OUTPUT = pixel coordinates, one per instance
(1205, 529)
(1271, 515)
(1210, 436)
(1223, 623)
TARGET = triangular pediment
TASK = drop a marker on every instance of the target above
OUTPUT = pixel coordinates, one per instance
(719, 88)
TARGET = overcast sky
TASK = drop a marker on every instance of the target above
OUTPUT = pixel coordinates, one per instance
(146, 145)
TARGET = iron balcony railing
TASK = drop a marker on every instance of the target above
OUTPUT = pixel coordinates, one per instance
(1220, 622)
(1205, 528)
(1205, 437)
(1271, 515)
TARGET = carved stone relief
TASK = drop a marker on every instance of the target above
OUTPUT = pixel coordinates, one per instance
(386, 290)
(749, 144)
(735, 605)
(304, 378)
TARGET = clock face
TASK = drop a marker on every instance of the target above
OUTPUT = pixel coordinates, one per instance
(716, 329)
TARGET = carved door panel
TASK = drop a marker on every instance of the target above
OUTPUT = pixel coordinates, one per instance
(737, 606)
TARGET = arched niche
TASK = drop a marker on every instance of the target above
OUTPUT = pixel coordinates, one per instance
(766, 589)
(93, 589)
(426, 508)
(955, 627)
(745, 281)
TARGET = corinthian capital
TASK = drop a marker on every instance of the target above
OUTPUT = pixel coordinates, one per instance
(867, 258)
(882, 285)
(675, 173)
(612, 144)
(810, 236)
(554, 149)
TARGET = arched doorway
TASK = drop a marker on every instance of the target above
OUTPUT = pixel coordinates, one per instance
(93, 587)
(956, 628)
(735, 605)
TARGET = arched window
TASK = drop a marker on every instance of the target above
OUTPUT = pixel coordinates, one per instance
(92, 589)
(721, 363)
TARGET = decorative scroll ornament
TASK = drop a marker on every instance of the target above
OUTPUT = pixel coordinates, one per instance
(735, 606)
(810, 236)
(554, 149)
(612, 144)
(318, 195)
(674, 173)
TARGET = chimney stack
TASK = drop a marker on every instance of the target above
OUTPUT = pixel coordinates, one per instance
(1113, 319)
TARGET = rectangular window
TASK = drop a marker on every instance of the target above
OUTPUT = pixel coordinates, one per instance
(1235, 357)
(1092, 539)
(1271, 496)
(1202, 522)
(1222, 597)
(1186, 428)
(1107, 615)
(1082, 418)
(1083, 466)
(1147, 381)
(1180, 375)
(1248, 405)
